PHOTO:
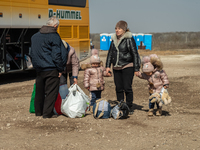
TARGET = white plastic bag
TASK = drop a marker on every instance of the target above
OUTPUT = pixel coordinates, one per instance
(28, 62)
(76, 103)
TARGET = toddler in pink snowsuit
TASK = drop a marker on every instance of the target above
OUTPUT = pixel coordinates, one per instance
(93, 78)
(153, 72)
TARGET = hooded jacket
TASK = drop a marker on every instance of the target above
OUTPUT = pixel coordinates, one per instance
(158, 78)
(123, 52)
(47, 50)
(93, 76)
(72, 63)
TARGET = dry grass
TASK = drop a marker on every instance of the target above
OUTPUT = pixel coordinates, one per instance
(170, 52)
(166, 41)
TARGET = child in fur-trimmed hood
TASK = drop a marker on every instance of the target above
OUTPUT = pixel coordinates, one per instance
(153, 72)
(93, 78)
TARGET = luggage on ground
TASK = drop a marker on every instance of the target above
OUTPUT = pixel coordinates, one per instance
(63, 92)
(102, 109)
(76, 103)
(32, 107)
(121, 110)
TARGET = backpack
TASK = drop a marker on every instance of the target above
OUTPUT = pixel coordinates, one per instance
(101, 109)
(121, 110)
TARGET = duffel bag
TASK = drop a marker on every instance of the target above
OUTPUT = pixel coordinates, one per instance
(101, 109)
(121, 110)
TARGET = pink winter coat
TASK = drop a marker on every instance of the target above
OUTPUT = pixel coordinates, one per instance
(158, 78)
(93, 76)
(72, 63)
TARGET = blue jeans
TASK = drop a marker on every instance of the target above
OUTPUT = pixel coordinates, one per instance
(95, 96)
(151, 105)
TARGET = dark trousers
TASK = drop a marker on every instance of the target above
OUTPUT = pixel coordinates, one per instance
(63, 78)
(95, 96)
(47, 88)
(151, 105)
(123, 81)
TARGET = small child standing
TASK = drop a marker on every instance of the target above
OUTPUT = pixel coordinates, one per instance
(153, 72)
(93, 78)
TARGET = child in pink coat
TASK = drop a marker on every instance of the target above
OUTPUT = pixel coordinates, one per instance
(93, 78)
(153, 72)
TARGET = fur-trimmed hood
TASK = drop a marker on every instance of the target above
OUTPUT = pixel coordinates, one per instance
(127, 35)
(155, 61)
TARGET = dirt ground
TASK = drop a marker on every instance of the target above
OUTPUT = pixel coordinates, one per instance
(177, 129)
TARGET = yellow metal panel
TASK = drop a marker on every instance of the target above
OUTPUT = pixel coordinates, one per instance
(65, 31)
(83, 32)
(17, 4)
(39, 6)
(75, 34)
(41, 2)
(87, 3)
(20, 1)
(5, 3)
(5, 20)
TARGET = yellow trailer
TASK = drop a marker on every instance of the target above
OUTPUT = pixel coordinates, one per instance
(20, 19)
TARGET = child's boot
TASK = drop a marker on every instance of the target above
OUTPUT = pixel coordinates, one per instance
(91, 109)
(159, 112)
(150, 112)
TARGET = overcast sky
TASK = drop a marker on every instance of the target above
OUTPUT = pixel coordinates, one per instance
(145, 16)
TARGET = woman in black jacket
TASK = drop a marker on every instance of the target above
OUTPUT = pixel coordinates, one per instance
(125, 60)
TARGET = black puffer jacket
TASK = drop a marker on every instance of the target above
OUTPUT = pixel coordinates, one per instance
(123, 52)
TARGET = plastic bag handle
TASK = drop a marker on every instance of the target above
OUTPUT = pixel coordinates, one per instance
(79, 89)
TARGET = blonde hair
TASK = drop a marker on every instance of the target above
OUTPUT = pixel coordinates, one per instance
(65, 44)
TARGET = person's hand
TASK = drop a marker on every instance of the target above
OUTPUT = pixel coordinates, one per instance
(75, 81)
(136, 73)
(165, 87)
(109, 75)
(107, 71)
(59, 75)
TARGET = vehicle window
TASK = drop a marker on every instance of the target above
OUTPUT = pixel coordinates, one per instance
(74, 3)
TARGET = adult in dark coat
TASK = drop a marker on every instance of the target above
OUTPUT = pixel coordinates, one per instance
(124, 57)
(49, 57)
